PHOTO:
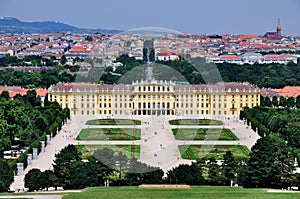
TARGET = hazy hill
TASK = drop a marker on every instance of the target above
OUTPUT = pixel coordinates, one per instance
(13, 25)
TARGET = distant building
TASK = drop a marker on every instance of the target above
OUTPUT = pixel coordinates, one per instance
(251, 58)
(274, 35)
(15, 90)
(286, 92)
(165, 55)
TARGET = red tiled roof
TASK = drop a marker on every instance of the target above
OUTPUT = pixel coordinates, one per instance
(248, 36)
(41, 92)
(244, 43)
(274, 57)
(226, 57)
(77, 48)
(288, 91)
(13, 90)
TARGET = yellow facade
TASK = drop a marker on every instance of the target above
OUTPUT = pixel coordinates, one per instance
(155, 98)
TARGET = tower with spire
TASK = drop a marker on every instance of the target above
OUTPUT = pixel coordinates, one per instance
(275, 35)
(278, 29)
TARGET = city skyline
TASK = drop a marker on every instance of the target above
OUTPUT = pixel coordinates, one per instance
(233, 17)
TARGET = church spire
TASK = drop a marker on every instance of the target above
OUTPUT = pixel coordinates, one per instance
(278, 29)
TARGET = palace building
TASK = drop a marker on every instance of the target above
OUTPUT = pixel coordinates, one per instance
(155, 98)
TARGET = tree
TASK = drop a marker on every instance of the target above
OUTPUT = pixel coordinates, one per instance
(275, 101)
(298, 101)
(41, 122)
(6, 175)
(5, 137)
(290, 102)
(48, 179)
(229, 167)
(32, 98)
(292, 130)
(267, 102)
(270, 164)
(63, 60)
(215, 176)
(186, 174)
(5, 95)
(153, 176)
(33, 180)
(82, 175)
(64, 160)
(282, 101)
(141, 173)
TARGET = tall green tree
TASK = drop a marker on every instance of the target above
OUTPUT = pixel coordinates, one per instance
(270, 164)
(33, 180)
(267, 102)
(229, 167)
(298, 101)
(64, 160)
(215, 176)
(5, 95)
(186, 174)
(63, 60)
(275, 101)
(290, 102)
(6, 175)
(82, 175)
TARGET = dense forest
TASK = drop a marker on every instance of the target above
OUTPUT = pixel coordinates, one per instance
(271, 162)
(23, 124)
(194, 71)
(262, 75)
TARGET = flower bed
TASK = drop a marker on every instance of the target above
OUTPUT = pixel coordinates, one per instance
(113, 122)
(194, 152)
(204, 134)
(131, 151)
(196, 122)
(109, 134)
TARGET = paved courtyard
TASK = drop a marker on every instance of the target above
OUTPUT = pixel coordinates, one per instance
(158, 145)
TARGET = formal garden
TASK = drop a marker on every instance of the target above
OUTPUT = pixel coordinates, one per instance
(130, 151)
(109, 134)
(113, 122)
(204, 134)
(196, 122)
(194, 152)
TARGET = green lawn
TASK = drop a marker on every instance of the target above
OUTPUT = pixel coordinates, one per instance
(109, 134)
(196, 122)
(129, 150)
(204, 134)
(194, 152)
(205, 192)
(113, 122)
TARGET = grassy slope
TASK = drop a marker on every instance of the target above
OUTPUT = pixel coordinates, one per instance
(194, 192)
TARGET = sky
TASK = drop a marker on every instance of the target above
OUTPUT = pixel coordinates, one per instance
(191, 16)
